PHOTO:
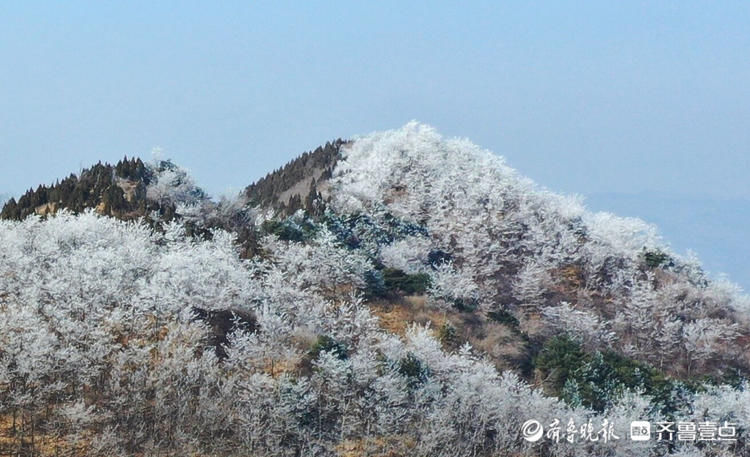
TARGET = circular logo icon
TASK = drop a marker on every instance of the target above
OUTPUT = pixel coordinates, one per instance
(532, 431)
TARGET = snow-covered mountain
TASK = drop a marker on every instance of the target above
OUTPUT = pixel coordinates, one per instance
(395, 294)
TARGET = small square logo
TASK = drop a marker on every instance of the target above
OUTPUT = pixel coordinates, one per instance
(640, 431)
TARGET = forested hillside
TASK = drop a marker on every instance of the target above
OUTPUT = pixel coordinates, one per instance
(298, 184)
(398, 294)
(127, 190)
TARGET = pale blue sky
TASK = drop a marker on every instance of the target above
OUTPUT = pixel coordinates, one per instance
(592, 97)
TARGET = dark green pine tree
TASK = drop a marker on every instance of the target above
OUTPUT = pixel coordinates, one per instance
(10, 210)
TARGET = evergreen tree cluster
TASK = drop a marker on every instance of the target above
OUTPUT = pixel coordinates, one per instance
(133, 169)
(266, 191)
(95, 187)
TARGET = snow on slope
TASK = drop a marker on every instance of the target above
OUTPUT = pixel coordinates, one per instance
(101, 353)
(516, 241)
